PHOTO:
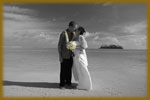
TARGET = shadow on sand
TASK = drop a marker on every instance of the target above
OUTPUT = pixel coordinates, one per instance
(34, 84)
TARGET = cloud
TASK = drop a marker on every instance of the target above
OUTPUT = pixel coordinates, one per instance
(32, 39)
(89, 35)
(138, 40)
(110, 40)
(23, 28)
(17, 17)
(34, 34)
(31, 27)
(14, 13)
(107, 4)
(96, 38)
(129, 28)
(135, 28)
(101, 34)
(20, 19)
(130, 41)
(99, 38)
(131, 35)
(46, 37)
(15, 9)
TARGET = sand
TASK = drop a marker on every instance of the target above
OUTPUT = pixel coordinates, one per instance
(35, 73)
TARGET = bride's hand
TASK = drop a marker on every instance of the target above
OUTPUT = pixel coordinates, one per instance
(79, 48)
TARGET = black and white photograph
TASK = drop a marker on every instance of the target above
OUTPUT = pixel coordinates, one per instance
(74, 50)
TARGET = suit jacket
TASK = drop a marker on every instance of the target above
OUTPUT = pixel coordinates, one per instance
(63, 51)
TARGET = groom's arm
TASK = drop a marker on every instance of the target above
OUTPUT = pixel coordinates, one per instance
(60, 43)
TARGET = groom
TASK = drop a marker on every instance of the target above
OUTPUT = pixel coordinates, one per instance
(66, 56)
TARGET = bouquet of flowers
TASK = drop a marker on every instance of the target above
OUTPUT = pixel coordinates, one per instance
(71, 45)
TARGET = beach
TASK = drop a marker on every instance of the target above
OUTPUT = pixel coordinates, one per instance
(35, 73)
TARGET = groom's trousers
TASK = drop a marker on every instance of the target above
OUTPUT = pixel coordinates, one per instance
(66, 72)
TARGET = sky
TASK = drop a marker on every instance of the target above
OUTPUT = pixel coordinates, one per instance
(39, 25)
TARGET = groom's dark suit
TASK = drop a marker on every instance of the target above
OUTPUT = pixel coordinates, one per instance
(67, 59)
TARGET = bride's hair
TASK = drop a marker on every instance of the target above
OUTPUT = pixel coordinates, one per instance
(82, 30)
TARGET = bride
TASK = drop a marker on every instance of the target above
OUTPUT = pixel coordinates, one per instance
(80, 70)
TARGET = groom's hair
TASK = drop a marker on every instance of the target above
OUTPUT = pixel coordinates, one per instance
(72, 23)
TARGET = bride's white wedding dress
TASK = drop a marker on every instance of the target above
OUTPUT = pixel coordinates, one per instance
(80, 63)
